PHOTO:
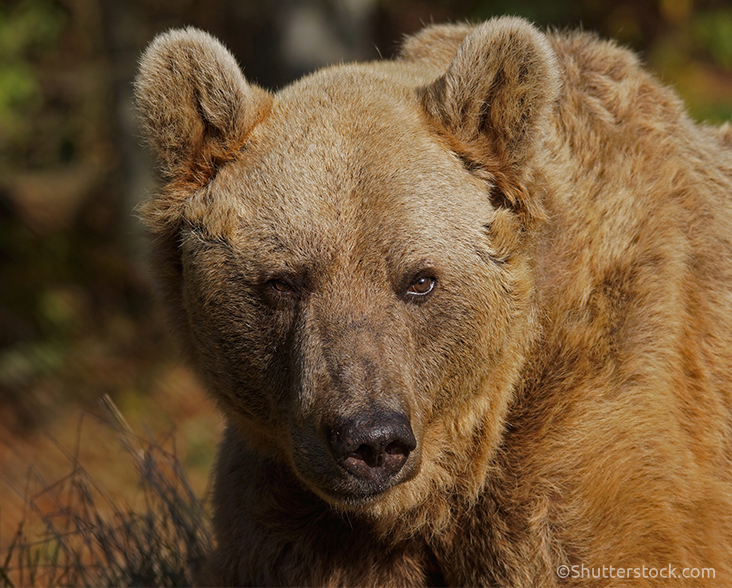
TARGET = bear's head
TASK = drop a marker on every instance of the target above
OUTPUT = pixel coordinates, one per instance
(348, 261)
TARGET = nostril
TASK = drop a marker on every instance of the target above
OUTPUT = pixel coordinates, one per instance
(374, 446)
(395, 447)
(367, 454)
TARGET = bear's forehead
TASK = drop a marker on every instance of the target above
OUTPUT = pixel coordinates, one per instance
(346, 160)
(332, 143)
(341, 87)
(361, 111)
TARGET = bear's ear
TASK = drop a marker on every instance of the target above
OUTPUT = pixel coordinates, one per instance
(196, 107)
(436, 44)
(495, 99)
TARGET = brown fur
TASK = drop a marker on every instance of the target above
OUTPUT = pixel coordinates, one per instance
(568, 379)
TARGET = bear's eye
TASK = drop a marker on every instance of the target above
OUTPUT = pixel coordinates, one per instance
(422, 286)
(280, 286)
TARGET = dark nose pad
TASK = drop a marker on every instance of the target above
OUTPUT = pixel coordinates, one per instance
(373, 447)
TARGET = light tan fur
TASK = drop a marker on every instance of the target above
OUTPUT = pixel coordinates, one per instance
(567, 380)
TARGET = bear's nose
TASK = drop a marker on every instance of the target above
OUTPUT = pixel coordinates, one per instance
(373, 446)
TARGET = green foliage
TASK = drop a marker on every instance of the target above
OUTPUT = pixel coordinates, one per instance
(20, 94)
(26, 29)
(30, 25)
(713, 30)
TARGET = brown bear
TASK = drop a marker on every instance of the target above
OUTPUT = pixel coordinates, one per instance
(468, 313)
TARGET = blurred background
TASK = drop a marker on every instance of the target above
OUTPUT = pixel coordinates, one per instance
(77, 313)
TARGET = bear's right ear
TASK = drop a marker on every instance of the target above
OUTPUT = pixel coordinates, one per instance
(494, 101)
(196, 107)
(435, 45)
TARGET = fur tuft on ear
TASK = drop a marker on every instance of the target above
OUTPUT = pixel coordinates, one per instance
(496, 97)
(435, 45)
(195, 105)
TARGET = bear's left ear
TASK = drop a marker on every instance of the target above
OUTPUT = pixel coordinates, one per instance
(495, 99)
(196, 107)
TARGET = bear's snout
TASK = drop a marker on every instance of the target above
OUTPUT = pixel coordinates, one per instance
(373, 447)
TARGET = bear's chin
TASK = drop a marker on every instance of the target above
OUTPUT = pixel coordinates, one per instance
(356, 495)
(353, 501)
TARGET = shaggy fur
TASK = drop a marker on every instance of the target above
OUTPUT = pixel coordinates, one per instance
(516, 242)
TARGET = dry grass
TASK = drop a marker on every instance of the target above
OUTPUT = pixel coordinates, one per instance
(87, 538)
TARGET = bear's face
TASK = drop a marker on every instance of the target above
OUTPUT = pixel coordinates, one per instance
(346, 267)
(337, 292)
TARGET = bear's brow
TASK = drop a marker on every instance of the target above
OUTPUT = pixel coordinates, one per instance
(204, 236)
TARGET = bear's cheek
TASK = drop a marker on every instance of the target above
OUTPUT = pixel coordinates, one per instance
(238, 343)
